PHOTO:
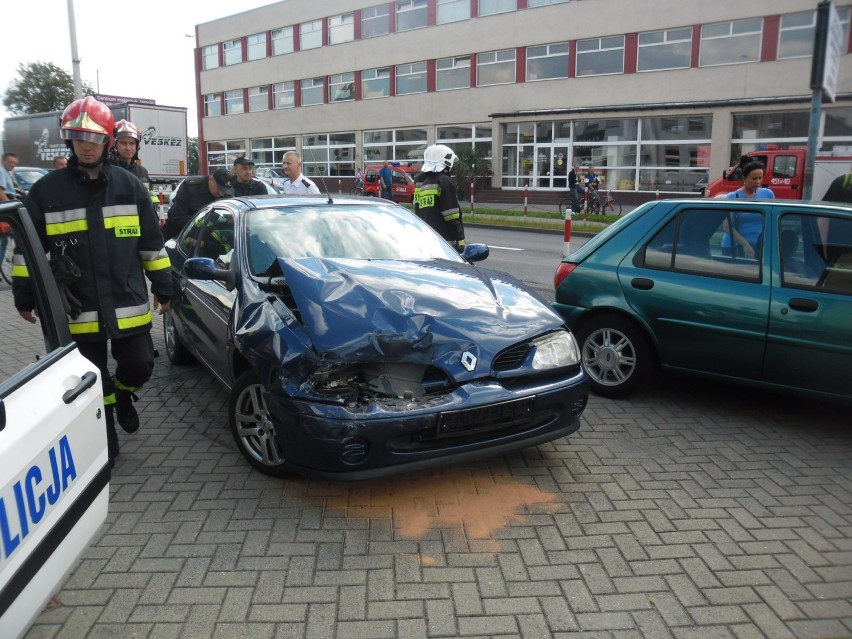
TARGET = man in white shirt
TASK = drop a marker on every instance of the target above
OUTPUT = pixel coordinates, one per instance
(297, 183)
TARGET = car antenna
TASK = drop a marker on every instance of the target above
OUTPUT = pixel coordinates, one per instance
(321, 177)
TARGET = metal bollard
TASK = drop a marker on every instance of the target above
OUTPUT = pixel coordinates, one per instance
(566, 243)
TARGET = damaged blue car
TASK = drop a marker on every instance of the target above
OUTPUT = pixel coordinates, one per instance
(355, 342)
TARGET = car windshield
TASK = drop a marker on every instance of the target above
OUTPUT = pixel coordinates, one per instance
(341, 231)
(29, 176)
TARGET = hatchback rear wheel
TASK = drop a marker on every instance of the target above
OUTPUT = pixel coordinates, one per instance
(616, 353)
(252, 427)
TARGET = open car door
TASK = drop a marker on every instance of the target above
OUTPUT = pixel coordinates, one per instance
(54, 475)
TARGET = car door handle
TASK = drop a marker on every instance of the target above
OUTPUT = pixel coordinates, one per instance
(86, 383)
(642, 283)
(802, 304)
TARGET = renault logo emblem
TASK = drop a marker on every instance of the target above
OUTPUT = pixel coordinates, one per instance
(468, 360)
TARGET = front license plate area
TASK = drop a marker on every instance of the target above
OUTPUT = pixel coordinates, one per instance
(493, 417)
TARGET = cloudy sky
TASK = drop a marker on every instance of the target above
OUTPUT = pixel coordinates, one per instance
(138, 50)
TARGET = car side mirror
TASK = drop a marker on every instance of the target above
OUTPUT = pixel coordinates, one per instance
(475, 252)
(204, 268)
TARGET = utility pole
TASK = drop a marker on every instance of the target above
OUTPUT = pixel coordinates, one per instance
(75, 59)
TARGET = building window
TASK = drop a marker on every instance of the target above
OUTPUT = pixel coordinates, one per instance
(375, 21)
(328, 154)
(452, 11)
(259, 98)
(476, 135)
(223, 154)
(453, 73)
(210, 56)
(234, 102)
(270, 151)
(233, 52)
(310, 35)
(401, 145)
(312, 91)
(541, 3)
(674, 152)
(490, 7)
(495, 67)
(731, 42)
(784, 129)
(283, 95)
(256, 46)
(282, 41)
(547, 61)
(411, 14)
(341, 87)
(796, 34)
(411, 78)
(341, 28)
(600, 56)
(668, 49)
(212, 105)
(375, 83)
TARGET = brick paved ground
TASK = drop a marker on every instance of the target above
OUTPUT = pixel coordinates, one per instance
(693, 510)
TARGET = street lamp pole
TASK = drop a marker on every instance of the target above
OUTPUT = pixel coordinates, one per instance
(75, 59)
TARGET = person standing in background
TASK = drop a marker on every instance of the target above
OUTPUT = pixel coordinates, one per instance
(125, 152)
(435, 199)
(296, 182)
(245, 184)
(386, 181)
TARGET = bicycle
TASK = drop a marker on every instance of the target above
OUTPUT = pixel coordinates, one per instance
(357, 190)
(600, 201)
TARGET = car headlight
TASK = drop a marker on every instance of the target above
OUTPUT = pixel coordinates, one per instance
(555, 350)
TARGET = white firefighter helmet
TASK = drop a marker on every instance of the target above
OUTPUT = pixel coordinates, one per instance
(438, 157)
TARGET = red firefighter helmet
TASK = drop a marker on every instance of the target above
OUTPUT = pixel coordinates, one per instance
(126, 129)
(89, 120)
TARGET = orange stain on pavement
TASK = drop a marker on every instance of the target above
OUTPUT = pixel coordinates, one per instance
(456, 497)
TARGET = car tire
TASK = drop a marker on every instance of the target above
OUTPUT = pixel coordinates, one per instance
(252, 428)
(175, 350)
(617, 355)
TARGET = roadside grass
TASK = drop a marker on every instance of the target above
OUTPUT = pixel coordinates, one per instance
(552, 220)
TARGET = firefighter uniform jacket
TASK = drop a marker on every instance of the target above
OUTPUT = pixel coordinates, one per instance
(192, 195)
(436, 203)
(136, 169)
(108, 227)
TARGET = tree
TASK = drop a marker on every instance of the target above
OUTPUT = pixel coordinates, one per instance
(192, 156)
(470, 165)
(41, 87)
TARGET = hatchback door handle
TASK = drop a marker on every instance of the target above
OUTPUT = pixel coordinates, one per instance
(88, 380)
(802, 304)
(642, 283)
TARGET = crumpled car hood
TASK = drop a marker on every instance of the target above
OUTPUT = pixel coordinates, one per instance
(417, 311)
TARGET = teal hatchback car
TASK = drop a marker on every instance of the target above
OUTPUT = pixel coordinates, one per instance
(754, 291)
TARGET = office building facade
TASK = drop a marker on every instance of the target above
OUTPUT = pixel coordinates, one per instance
(656, 95)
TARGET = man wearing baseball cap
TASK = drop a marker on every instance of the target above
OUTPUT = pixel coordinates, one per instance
(245, 183)
(195, 193)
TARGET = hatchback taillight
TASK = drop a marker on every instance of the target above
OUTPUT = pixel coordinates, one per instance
(564, 270)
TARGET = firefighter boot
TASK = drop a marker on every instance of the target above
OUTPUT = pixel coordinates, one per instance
(126, 413)
(112, 436)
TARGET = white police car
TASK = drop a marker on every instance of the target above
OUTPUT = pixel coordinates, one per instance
(54, 476)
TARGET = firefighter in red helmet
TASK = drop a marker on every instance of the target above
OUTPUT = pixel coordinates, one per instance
(125, 150)
(104, 239)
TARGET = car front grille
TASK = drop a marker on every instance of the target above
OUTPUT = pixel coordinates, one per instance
(512, 357)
